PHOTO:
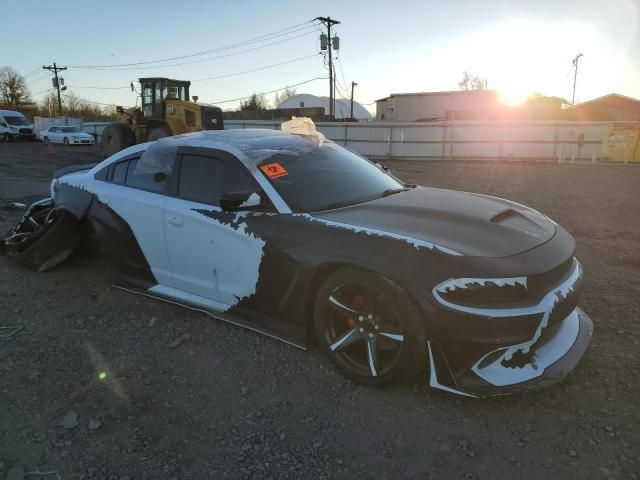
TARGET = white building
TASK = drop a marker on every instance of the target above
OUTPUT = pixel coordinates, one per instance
(343, 106)
(434, 106)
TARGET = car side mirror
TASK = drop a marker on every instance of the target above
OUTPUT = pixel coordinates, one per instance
(382, 166)
(236, 201)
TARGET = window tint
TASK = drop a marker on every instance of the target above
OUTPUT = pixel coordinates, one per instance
(206, 179)
(145, 181)
(328, 177)
(120, 172)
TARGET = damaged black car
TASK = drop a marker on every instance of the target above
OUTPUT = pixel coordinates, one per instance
(291, 235)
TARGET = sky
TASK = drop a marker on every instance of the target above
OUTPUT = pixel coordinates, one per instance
(518, 46)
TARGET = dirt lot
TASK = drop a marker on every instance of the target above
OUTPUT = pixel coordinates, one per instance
(228, 403)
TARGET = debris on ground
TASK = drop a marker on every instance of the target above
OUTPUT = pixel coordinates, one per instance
(70, 420)
(178, 341)
(94, 424)
(10, 331)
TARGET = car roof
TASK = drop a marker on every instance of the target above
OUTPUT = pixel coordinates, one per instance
(251, 146)
(11, 113)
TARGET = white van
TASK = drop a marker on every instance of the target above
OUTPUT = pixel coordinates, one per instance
(15, 125)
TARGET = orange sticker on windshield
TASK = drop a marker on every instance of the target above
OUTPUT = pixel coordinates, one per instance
(274, 170)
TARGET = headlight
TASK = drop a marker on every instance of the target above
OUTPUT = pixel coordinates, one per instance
(13, 128)
(483, 292)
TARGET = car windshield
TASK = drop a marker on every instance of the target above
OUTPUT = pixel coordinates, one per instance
(69, 129)
(16, 120)
(327, 178)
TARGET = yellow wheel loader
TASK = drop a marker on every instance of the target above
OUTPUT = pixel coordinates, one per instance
(164, 110)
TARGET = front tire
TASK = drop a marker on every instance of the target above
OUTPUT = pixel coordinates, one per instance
(65, 141)
(46, 140)
(369, 327)
(7, 137)
(116, 137)
(44, 238)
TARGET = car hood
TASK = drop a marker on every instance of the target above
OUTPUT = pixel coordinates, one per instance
(468, 223)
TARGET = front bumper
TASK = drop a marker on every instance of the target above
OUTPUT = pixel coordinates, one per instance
(554, 361)
(82, 141)
(479, 367)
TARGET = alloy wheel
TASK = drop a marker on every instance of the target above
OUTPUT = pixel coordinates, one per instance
(362, 330)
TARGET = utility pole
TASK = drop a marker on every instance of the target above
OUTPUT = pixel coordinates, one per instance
(328, 22)
(56, 82)
(353, 85)
(575, 77)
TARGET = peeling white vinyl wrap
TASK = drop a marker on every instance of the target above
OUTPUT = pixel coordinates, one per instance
(463, 283)
(379, 233)
(236, 275)
(500, 375)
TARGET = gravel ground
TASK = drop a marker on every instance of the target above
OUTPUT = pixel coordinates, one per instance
(101, 384)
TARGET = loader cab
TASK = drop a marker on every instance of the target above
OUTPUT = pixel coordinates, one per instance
(155, 92)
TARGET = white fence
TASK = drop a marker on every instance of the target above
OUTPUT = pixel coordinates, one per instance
(547, 141)
(464, 139)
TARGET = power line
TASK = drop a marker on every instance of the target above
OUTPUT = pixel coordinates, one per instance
(42, 91)
(32, 73)
(208, 78)
(272, 91)
(100, 88)
(89, 101)
(210, 58)
(269, 36)
(45, 75)
(255, 69)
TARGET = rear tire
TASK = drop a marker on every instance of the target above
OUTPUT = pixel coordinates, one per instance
(158, 133)
(47, 245)
(116, 137)
(369, 327)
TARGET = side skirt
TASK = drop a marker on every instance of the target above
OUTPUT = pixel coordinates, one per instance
(203, 305)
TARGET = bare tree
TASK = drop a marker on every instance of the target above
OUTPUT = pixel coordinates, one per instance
(13, 88)
(255, 102)
(72, 102)
(283, 95)
(472, 82)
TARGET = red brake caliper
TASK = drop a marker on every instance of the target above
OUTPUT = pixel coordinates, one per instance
(358, 303)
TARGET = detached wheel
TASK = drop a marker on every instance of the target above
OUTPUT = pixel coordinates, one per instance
(158, 133)
(369, 328)
(44, 238)
(116, 137)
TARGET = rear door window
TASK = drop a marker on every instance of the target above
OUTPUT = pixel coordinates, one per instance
(120, 172)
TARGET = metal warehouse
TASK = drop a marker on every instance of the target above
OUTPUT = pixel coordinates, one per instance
(434, 106)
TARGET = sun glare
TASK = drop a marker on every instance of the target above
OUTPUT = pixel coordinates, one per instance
(513, 96)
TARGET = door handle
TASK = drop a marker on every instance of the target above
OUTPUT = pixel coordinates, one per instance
(175, 221)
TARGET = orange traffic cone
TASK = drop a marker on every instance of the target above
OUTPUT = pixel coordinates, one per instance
(50, 149)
